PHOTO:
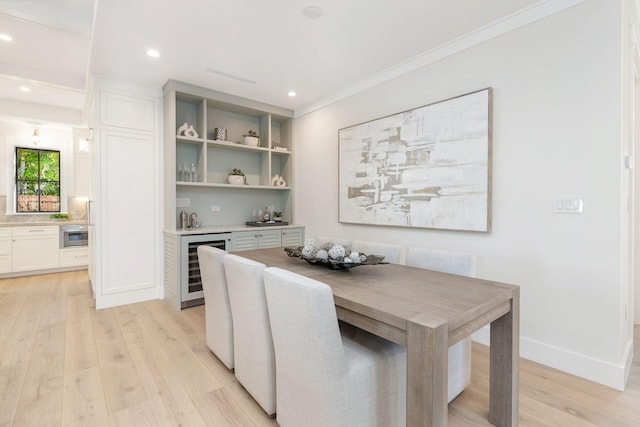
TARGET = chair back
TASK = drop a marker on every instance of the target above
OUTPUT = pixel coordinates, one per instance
(463, 264)
(253, 345)
(390, 252)
(307, 342)
(460, 263)
(219, 324)
(320, 240)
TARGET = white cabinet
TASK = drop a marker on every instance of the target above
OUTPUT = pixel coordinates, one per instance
(5, 250)
(73, 257)
(292, 237)
(124, 236)
(244, 240)
(269, 239)
(261, 238)
(34, 248)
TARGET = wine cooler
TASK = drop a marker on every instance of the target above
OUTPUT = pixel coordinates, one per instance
(191, 282)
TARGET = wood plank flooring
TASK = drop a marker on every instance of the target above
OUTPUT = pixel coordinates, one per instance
(64, 363)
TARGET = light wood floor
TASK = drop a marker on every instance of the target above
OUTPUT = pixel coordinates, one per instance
(64, 363)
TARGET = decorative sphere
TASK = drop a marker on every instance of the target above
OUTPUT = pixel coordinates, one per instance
(354, 257)
(337, 252)
(363, 257)
(309, 251)
(327, 246)
(322, 254)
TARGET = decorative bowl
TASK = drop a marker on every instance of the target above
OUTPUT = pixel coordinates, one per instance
(235, 179)
(332, 263)
(251, 141)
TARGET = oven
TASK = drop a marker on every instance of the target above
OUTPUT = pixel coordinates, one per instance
(74, 235)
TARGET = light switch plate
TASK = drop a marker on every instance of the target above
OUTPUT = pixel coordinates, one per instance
(568, 204)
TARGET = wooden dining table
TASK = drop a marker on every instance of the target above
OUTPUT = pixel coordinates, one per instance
(426, 312)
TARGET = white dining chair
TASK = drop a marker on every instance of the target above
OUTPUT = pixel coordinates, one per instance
(218, 321)
(323, 377)
(255, 365)
(464, 264)
(390, 252)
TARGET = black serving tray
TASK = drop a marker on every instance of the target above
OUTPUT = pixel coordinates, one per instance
(265, 224)
(334, 264)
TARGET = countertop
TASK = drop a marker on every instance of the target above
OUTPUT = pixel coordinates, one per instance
(226, 229)
(39, 223)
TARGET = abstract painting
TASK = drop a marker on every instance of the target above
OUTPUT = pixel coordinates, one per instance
(427, 168)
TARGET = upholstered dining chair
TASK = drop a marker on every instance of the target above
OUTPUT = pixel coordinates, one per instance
(218, 323)
(390, 252)
(255, 365)
(325, 378)
(464, 264)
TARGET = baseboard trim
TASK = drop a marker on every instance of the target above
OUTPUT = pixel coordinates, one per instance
(600, 371)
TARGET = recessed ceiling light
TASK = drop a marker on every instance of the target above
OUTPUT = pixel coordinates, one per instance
(312, 12)
(6, 37)
(25, 88)
(292, 93)
(153, 53)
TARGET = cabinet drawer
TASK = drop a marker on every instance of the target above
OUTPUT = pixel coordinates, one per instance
(74, 257)
(5, 263)
(5, 232)
(46, 230)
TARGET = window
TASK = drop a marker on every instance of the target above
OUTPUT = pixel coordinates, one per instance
(37, 180)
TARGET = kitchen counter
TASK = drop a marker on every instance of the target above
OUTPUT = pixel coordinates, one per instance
(40, 223)
(226, 229)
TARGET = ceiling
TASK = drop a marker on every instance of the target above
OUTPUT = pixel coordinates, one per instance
(252, 48)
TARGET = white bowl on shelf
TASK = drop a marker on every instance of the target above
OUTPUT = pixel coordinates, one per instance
(251, 141)
(235, 179)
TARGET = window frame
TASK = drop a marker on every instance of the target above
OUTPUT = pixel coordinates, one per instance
(38, 182)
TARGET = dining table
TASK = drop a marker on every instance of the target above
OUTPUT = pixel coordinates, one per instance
(426, 312)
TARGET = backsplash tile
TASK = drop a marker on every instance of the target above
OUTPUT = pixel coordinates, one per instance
(76, 207)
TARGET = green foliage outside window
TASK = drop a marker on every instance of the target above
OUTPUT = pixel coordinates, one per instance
(37, 180)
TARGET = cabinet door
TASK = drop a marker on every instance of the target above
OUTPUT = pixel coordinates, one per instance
(126, 216)
(35, 252)
(244, 240)
(5, 241)
(292, 237)
(74, 257)
(269, 239)
(5, 263)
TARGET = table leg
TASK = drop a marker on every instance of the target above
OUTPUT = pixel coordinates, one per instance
(504, 370)
(427, 349)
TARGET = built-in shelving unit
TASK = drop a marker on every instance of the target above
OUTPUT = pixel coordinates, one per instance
(196, 168)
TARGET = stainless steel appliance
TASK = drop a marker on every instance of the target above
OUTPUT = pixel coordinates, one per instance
(74, 235)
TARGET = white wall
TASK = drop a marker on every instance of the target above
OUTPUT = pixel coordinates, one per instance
(556, 131)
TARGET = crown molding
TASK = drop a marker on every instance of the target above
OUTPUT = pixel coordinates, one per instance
(498, 28)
